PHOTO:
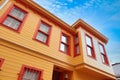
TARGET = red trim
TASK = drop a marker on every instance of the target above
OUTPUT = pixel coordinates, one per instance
(48, 35)
(31, 68)
(105, 55)
(68, 45)
(76, 44)
(92, 48)
(6, 14)
(1, 62)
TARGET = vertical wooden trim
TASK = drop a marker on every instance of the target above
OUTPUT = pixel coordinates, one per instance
(1, 62)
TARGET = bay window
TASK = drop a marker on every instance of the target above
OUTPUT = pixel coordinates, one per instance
(89, 46)
(77, 48)
(103, 54)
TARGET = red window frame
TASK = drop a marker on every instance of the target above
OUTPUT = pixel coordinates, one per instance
(76, 45)
(32, 69)
(90, 47)
(1, 62)
(7, 14)
(103, 54)
(44, 33)
(65, 44)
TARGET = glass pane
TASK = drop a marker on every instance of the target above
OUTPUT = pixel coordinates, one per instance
(10, 22)
(30, 75)
(64, 39)
(76, 39)
(17, 13)
(88, 41)
(89, 51)
(63, 47)
(101, 48)
(77, 49)
(44, 28)
(103, 58)
(41, 37)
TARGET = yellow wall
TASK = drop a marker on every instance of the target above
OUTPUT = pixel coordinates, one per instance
(52, 56)
(13, 61)
(24, 38)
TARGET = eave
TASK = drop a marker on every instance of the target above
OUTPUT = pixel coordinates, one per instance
(40, 10)
(87, 27)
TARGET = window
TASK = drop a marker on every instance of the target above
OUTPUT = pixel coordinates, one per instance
(1, 62)
(103, 54)
(14, 18)
(64, 45)
(43, 33)
(89, 45)
(77, 48)
(30, 73)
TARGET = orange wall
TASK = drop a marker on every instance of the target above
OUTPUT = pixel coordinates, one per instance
(24, 38)
(13, 61)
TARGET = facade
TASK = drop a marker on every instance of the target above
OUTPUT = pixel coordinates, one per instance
(36, 45)
(116, 69)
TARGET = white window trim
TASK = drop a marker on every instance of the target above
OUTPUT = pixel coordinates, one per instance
(6, 1)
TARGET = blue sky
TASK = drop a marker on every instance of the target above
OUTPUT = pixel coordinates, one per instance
(103, 15)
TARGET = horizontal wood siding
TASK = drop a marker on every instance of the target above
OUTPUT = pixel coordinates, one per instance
(25, 37)
(14, 61)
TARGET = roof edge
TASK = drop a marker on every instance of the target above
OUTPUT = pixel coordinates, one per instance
(84, 25)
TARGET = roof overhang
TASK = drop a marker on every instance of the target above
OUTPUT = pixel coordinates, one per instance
(40, 10)
(87, 27)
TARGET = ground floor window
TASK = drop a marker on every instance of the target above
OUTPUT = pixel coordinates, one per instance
(30, 73)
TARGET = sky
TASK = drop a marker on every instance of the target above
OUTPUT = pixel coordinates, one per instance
(103, 15)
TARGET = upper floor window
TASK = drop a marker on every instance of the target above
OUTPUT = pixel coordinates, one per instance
(64, 45)
(1, 62)
(77, 48)
(103, 54)
(89, 45)
(14, 18)
(30, 73)
(43, 33)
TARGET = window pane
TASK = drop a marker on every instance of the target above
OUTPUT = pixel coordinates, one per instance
(44, 28)
(88, 41)
(101, 49)
(77, 49)
(10, 22)
(41, 37)
(64, 39)
(63, 47)
(17, 13)
(30, 75)
(89, 51)
(76, 39)
(103, 58)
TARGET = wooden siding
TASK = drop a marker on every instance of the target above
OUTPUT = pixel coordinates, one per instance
(20, 48)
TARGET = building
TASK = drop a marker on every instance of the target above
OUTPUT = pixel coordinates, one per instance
(36, 45)
(116, 69)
